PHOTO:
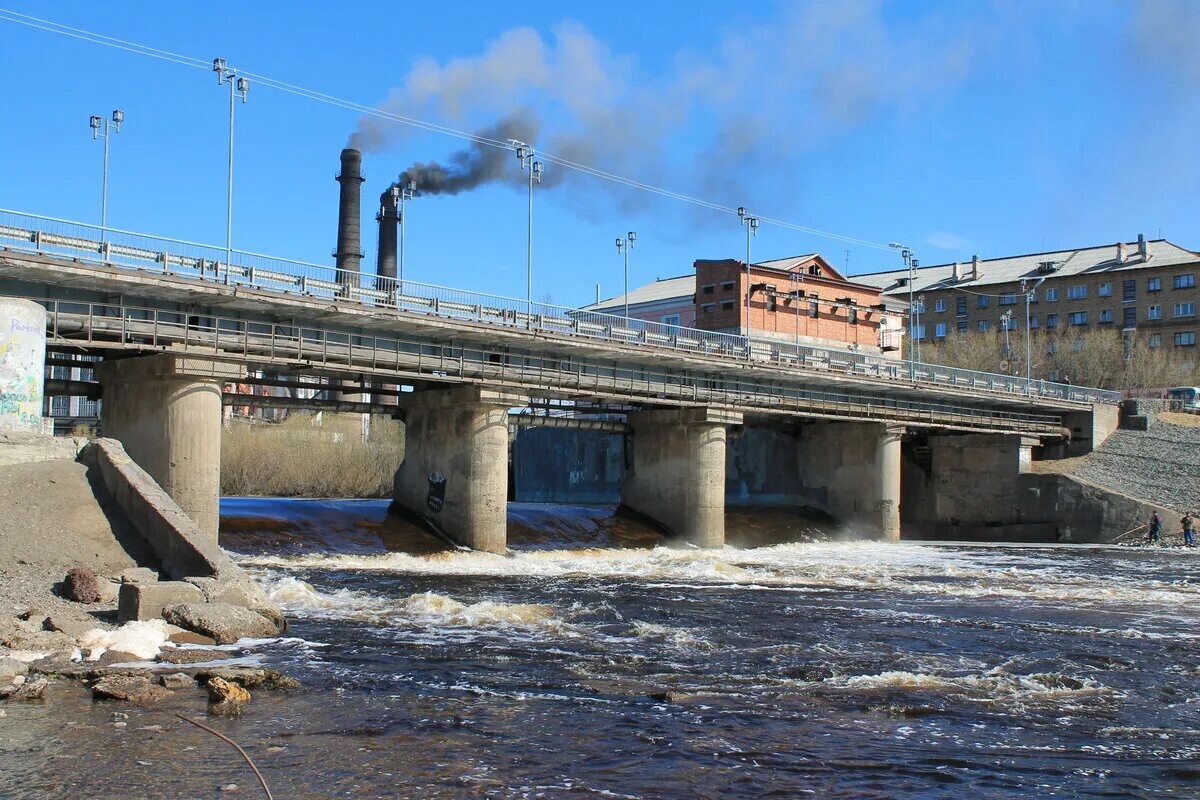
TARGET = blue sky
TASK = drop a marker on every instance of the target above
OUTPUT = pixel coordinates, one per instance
(961, 128)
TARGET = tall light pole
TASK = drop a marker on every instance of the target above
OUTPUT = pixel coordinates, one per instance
(751, 223)
(237, 86)
(624, 245)
(110, 126)
(907, 254)
(525, 155)
(1005, 321)
(403, 194)
(1028, 288)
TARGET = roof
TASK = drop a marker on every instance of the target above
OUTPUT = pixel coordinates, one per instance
(661, 289)
(1083, 261)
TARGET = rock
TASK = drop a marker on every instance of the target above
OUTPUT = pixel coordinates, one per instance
(223, 622)
(10, 685)
(137, 575)
(31, 690)
(191, 655)
(109, 590)
(249, 677)
(31, 615)
(11, 667)
(61, 665)
(238, 590)
(40, 641)
(82, 585)
(225, 697)
(176, 680)
(229, 787)
(180, 636)
(142, 601)
(69, 625)
(130, 688)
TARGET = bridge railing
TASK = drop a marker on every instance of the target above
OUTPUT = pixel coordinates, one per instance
(128, 249)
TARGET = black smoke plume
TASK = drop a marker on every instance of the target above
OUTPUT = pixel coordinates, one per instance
(477, 164)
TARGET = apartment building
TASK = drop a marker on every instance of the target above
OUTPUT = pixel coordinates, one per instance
(802, 299)
(1146, 288)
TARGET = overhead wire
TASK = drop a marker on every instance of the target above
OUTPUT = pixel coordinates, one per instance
(312, 94)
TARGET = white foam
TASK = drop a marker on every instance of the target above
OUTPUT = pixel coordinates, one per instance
(143, 639)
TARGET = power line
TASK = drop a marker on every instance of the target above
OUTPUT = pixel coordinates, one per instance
(311, 94)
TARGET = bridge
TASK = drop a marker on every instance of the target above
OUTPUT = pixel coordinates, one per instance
(177, 321)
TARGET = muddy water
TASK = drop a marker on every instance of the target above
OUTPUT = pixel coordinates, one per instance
(598, 662)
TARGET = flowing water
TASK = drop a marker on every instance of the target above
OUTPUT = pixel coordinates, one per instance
(595, 661)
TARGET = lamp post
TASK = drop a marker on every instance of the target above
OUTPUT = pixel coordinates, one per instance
(906, 253)
(402, 195)
(751, 223)
(237, 86)
(1028, 288)
(110, 126)
(624, 245)
(525, 155)
(1005, 321)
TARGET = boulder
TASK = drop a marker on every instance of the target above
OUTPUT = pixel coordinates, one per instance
(176, 680)
(223, 622)
(142, 601)
(239, 590)
(180, 636)
(71, 626)
(130, 688)
(249, 677)
(31, 690)
(11, 667)
(39, 641)
(61, 665)
(226, 697)
(82, 585)
(137, 575)
(191, 655)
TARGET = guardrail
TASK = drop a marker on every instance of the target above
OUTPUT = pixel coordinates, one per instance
(120, 248)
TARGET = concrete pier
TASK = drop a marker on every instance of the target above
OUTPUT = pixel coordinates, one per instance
(455, 470)
(166, 411)
(852, 471)
(677, 474)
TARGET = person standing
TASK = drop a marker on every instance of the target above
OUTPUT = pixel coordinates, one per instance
(1155, 527)
(1187, 529)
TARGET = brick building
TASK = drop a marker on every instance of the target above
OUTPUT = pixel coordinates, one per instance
(801, 299)
(1145, 288)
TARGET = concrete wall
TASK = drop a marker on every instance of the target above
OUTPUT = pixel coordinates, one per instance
(1090, 429)
(852, 471)
(166, 412)
(22, 364)
(455, 470)
(552, 465)
(677, 477)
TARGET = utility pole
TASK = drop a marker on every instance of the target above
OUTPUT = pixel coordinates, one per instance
(751, 223)
(111, 125)
(907, 254)
(624, 245)
(525, 155)
(237, 85)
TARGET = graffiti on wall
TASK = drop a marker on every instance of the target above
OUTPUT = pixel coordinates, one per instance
(22, 359)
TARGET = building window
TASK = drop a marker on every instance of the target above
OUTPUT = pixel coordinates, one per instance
(1009, 324)
(1153, 284)
(1104, 290)
(708, 308)
(708, 288)
(726, 305)
(1154, 312)
(1129, 314)
(1129, 290)
(852, 313)
(1076, 292)
(1185, 309)
(960, 306)
(939, 330)
(1187, 281)
(814, 309)
(984, 325)
(1051, 294)
(920, 331)
(1008, 299)
(671, 319)
(726, 286)
(1155, 340)
(1106, 315)
(1077, 318)
(1033, 323)
(939, 305)
(961, 325)
(981, 301)
(1185, 339)
(1052, 320)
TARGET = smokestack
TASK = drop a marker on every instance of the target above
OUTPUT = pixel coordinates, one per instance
(388, 218)
(954, 271)
(1120, 252)
(1142, 251)
(974, 268)
(349, 253)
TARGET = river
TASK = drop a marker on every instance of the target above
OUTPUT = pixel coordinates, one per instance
(595, 661)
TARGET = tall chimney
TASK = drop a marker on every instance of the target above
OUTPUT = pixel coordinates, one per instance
(388, 218)
(349, 253)
(954, 271)
(1120, 252)
(974, 268)
(1142, 251)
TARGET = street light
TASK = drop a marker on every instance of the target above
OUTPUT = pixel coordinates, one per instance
(907, 254)
(623, 247)
(101, 129)
(402, 194)
(237, 85)
(1005, 321)
(751, 223)
(525, 155)
(1028, 288)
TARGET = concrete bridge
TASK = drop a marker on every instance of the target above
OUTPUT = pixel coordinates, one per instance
(175, 323)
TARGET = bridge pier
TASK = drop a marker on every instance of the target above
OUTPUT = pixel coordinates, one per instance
(166, 411)
(455, 470)
(677, 474)
(852, 470)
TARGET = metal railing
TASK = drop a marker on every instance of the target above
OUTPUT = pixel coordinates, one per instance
(268, 345)
(144, 252)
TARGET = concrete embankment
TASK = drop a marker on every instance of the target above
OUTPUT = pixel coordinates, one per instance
(98, 566)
